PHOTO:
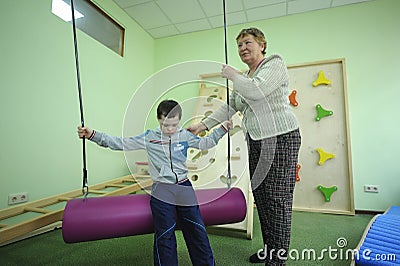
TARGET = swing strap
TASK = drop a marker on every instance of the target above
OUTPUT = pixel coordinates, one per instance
(229, 179)
(85, 187)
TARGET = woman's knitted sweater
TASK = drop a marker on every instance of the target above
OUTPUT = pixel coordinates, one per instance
(262, 99)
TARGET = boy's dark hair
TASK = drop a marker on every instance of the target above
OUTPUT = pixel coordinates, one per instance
(169, 108)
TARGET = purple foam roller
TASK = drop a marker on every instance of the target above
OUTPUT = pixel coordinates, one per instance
(119, 216)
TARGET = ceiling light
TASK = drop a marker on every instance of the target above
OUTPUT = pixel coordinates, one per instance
(63, 10)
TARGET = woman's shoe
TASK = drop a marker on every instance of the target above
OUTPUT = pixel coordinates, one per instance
(257, 257)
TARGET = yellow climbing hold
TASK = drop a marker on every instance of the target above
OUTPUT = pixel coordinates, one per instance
(321, 79)
(324, 156)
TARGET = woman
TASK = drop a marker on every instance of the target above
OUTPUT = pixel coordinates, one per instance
(273, 139)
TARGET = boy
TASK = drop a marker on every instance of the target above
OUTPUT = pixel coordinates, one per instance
(172, 197)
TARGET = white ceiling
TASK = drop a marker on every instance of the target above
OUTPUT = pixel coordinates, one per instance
(162, 18)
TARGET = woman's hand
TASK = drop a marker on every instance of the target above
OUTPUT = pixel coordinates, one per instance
(84, 132)
(196, 128)
(227, 125)
(229, 72)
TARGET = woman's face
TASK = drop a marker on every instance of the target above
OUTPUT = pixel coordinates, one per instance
(250, 51)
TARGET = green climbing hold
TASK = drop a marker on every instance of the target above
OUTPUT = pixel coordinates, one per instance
(327, 191)
(321, 112)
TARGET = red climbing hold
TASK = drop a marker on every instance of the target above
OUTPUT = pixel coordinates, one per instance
(297, 172)
(292, 98)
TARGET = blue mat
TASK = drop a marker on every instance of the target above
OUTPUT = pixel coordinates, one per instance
(380, 244)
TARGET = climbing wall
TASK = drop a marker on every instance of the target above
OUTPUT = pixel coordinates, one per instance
(324, 173)
(208, 169)
(319, 99)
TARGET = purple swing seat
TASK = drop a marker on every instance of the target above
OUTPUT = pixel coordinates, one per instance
(119, 216)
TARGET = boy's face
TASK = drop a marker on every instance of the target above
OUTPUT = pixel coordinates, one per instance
(169, 125)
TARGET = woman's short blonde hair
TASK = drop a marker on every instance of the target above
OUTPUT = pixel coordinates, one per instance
(258, 36)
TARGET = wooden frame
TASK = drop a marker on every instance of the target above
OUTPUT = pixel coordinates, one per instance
(211, 96)
(330, 133)
(8, 233)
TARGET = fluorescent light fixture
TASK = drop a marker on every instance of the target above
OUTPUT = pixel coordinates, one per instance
(63, 10)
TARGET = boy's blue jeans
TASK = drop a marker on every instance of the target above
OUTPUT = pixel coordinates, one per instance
(172, 205)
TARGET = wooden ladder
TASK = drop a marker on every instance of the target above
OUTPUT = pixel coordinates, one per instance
(49, 212)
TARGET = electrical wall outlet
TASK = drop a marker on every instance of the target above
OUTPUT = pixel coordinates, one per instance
(17, 198)
(371, 188)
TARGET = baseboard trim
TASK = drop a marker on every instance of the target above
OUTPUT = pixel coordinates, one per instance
(368, 212)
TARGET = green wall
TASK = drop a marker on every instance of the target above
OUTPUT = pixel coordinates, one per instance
(40, 152)
(367, 36)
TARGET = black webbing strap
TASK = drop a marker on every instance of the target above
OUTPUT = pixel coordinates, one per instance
(85, 187)
(229, 178)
